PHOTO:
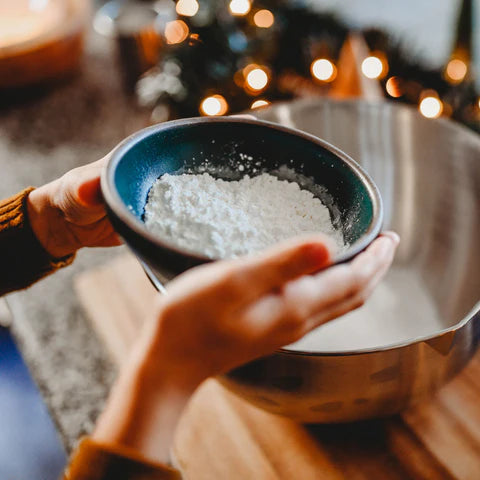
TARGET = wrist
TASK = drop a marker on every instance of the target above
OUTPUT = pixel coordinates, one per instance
(162, 353)
(143, 410)
(158, 371)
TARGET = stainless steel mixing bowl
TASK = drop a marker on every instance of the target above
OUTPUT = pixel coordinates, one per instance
(428, 172)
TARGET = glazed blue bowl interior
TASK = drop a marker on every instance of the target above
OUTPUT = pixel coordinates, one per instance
(220, 146)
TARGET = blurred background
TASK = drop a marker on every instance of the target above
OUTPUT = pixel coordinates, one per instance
(215, 57)
(76, 77)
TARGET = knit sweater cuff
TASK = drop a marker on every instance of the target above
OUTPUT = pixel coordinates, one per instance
(23, 260)
(96, 461)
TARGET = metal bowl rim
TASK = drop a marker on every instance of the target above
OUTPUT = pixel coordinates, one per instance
(380, 104)
(390, 347)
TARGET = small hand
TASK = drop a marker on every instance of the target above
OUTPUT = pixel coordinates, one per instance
(216, 317)
(69, 213)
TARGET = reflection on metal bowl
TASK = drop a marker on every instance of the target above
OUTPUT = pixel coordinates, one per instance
(428, 172)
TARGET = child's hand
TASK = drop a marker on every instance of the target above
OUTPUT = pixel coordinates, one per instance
(218, 316)
(68, 213)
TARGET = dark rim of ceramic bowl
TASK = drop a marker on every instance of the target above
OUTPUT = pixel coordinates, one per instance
(116, 204)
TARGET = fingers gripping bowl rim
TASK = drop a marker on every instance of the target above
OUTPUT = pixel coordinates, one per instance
(126, 217)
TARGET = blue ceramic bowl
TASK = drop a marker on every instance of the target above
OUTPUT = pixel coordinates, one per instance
(348, 191)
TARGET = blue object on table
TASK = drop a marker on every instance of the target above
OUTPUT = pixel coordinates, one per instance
(29, 445)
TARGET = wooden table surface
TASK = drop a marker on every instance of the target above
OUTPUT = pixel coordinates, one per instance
(221, 436)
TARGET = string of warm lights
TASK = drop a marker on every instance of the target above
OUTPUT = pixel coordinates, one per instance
(456, 70)
(323, 69)
(375, 66)
(430, 106)
(176, 31)
(187, 8)
(214, 105)
(240, 7)
(263, 18)
(259, 104)
(249, 69)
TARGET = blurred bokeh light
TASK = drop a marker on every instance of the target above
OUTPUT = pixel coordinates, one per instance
(323, 69)
(213, 106)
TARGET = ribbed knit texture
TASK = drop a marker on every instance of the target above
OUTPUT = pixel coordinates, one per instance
(96, 461)
(23, 260)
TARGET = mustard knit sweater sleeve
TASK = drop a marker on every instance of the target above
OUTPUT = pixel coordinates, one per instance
(23, 261)
(95, 461)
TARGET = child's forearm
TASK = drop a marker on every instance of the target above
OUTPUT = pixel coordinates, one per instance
(146, 403)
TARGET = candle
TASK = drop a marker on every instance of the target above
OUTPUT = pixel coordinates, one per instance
(23, 20)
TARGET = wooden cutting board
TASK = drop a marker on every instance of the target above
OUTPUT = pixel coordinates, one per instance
(222, 437)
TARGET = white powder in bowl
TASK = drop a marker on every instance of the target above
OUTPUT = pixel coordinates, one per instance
(227, 219)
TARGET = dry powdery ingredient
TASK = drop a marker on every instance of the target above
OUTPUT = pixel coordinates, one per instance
(226, 219)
